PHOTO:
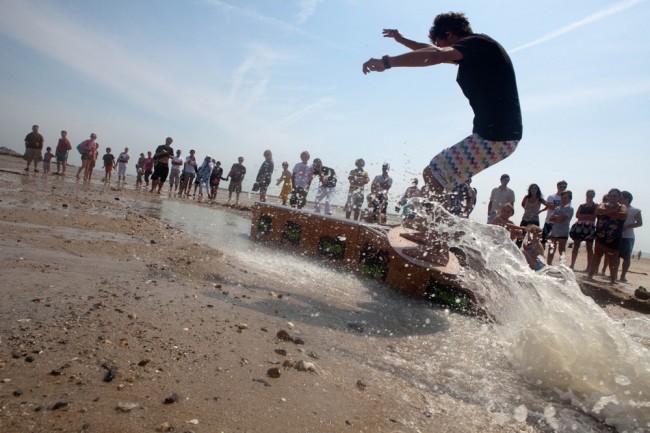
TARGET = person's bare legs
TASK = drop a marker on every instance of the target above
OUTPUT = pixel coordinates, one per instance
(574, 253)
(590, 253)
(434, 187)
(551, 250)
(595, 264)
(82, 168)
(605, 263)
(624, 268)
(613, 267)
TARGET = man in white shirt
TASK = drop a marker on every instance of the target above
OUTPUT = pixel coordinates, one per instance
(552, 201)
(189, 172)
(499, 197)
(632, 221)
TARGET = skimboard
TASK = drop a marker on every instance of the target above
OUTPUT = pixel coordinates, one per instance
(401, 244)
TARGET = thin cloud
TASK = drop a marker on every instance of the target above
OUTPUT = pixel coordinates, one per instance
(254, 15)
(91, 54)
(307, 9)
(252, 75)
(100, 58)
(597, 16)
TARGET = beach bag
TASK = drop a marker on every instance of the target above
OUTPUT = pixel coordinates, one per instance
(256, 186)
(80, 147)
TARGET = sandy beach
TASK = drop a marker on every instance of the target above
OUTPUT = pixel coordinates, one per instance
(112, 320)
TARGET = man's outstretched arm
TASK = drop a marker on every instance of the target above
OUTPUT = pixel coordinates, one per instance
(395, 34)
(429, 56)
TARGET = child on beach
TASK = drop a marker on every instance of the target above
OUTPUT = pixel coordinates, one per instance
(47, 159)
(215, 178)
(561, 220)
(503, 220)
(109, 165)
(139, 177)
(203, 174)
(534, 250)
(286, 187)
(122, 163)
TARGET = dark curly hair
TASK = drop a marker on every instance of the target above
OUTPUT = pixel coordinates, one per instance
(451, 22)
(530, 194)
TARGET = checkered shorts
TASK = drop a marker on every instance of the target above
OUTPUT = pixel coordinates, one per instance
(456, 164)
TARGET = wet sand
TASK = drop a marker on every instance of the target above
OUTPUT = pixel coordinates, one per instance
(111, 320)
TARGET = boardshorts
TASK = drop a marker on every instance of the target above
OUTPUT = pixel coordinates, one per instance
(454, 165)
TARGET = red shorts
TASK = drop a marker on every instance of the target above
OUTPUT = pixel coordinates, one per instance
(108, 168)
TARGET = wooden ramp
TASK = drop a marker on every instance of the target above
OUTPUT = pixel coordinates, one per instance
(359, 247)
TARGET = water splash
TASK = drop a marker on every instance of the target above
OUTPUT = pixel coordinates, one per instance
(555, 337)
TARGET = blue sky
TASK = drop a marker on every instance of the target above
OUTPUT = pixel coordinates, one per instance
(231, 78)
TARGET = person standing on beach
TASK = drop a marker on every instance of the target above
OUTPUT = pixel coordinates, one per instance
(175, 173)
(632, 221)
(285, 179)
(561, 220)
(358, 178)
(122, 164)
(189, 171)
(203, 174)
(532, 203)
(88, 149)
(486, 77)
(552, 201)
(33, 148)
(499, 197)
(410, 192)
(326, 185)
(61, 153)
(584, 229)
(215, 179)
(148, 168)
(264, 174)
(47, 159)
(380, 186)
(301, 179)
(609, 230)
(236, 176)
(109, 165)
(161, 167)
